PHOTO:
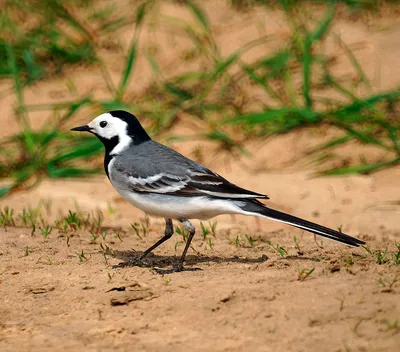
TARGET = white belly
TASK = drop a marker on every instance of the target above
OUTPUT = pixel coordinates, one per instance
(174, 207)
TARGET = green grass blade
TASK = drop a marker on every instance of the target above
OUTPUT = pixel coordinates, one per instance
(15, 72)
(332, 143)
(85, 149)
(48, 138)
(361, 169)
(263, 83)
(5, 190)
(225, 140)
(107, 78)
(307, 61)
(141, 12)
(130, 62)
(113, 25)
(308, 116)
(24, 174)
(393, 135)
(276, 64)
(114, 105)
(369, 102)
(34, 70)
(21, 109)
(133, 48)
(181, 93)
(356, 65)
(62, 172)
(189, 76)
(45, 107)
(200, 15)
(223, 65)
(154, 65)
(73, 108)
(362, 137)
(63, 12)
(340, 88)
(290, 90)
(322, 28)
(307, 54)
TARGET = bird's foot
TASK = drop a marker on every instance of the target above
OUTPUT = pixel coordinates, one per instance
(131, 262)
(180, 268)
(176, 269)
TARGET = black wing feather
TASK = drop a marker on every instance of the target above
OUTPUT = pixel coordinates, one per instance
(154, 168)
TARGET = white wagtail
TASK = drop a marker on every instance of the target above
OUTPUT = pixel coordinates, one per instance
(164, 183)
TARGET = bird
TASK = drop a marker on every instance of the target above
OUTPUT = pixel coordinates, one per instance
(164, 183)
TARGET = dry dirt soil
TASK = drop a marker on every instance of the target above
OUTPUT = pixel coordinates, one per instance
(246, 286)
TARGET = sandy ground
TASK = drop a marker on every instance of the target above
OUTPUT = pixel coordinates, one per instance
(60, 293)
(244, 297)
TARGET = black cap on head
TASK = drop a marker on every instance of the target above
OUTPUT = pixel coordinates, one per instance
(135, 129)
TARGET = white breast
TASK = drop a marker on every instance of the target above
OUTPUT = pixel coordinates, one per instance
(174, 207)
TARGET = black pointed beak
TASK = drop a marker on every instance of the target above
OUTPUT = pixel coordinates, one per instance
(84, 128)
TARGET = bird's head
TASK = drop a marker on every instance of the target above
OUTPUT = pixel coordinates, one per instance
(116, 129)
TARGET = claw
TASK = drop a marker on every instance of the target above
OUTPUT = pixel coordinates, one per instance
(181, 268)
(130, 262)
(178, 269)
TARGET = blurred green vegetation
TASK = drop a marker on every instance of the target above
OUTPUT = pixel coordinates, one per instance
(57, 35)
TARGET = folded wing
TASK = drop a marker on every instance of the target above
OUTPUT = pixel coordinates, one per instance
(193, 183)
(154, 168)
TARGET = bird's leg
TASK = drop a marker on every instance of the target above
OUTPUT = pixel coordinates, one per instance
(191, 229)
(169, 231)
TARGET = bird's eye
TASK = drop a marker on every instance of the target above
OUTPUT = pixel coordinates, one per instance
(103, 124)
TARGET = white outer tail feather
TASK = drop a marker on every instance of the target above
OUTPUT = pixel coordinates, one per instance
(313, 228)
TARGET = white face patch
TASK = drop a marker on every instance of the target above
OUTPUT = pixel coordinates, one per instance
(108, 127)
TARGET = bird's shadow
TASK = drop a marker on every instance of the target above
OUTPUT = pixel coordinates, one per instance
(161, 263)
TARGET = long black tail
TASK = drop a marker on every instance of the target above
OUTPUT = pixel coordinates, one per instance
(257, 208)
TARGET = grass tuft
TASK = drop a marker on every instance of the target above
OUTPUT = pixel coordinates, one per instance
(295, 84)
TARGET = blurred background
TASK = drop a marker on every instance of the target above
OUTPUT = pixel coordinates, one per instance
(311, 84)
